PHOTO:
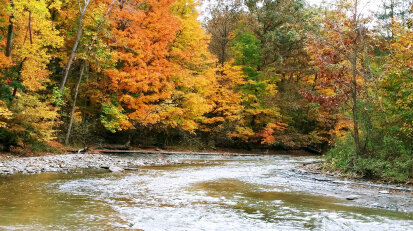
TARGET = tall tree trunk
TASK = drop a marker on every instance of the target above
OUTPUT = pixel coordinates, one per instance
(10, 31)
(82, 70)
(69, 129)
(354, 81)
(19, 74)
(74, 48)
(29, 29)
(354, 98)
(10, 36)
(392, 18)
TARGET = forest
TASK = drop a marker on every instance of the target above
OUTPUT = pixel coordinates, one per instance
(252, 74)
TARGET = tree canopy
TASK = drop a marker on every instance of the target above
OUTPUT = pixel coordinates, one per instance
(255, 74)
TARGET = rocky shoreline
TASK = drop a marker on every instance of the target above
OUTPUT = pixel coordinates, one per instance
(70, 162)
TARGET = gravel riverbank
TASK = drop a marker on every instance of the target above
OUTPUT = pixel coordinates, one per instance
(68, 162)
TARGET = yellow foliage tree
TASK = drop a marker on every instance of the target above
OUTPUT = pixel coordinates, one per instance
(35, 36)
(5, 114)
(33, 120)
(224, 96)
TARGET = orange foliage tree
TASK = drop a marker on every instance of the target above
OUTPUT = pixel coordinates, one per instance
(141, 36)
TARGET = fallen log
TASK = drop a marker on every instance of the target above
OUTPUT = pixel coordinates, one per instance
(116, 147)
(107, 151)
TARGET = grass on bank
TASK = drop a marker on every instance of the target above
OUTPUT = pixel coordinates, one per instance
(385, 158)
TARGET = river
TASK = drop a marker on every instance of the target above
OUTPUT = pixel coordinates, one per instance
(219, 193)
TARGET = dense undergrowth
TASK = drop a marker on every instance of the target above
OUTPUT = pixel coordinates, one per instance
(390, 160)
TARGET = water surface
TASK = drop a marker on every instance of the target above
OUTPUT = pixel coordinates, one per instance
(229, 193)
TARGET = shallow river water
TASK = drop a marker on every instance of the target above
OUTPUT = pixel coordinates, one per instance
(228, 193)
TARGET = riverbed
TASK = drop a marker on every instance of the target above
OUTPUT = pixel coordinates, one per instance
(210, 192)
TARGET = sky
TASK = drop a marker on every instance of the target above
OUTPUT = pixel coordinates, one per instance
(367, 6)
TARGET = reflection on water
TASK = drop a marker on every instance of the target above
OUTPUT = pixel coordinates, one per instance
(237, 193)
(267, 203)
(31, 202)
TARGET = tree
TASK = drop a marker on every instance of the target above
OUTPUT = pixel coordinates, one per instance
(282, 30)
(82, 12)
(33, 120)
(260, 119)
(225, 97)
(390, 12)
(339, 54)
(34, 36)
(395, 87)
(221, 26)
(5, 114)
(93, 42)
(30, 44)
(192, 62)
(141, 79)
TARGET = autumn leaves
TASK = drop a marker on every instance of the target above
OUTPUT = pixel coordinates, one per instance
(257, 72)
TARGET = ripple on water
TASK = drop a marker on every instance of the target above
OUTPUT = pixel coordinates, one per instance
(237, 195)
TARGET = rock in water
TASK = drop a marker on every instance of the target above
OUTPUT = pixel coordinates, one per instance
(115, 169)
(352, 197)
